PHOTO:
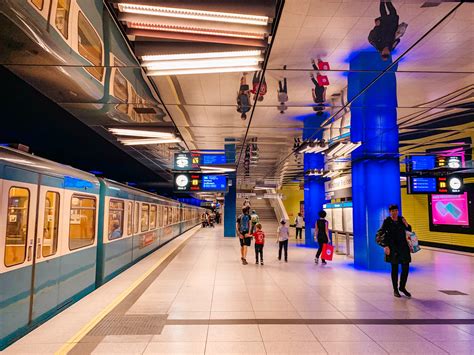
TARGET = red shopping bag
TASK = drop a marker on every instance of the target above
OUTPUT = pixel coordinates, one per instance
(323, 65)
(323, 80)
(328, 251)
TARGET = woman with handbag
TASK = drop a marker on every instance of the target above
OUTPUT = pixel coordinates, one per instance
(392, 236)
(321, 235)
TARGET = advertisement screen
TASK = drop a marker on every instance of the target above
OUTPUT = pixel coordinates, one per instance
(450, 210)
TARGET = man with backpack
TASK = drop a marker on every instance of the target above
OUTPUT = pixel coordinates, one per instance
(243, 228)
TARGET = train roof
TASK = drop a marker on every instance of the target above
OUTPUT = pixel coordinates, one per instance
(41, 165)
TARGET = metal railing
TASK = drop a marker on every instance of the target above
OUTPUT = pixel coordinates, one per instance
(343, 243)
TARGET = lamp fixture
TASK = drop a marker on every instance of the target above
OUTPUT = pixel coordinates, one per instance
(147, 141)
(203, 71)
(215, 169)
(141, 133)
(206, 55)
(194, 14)
(202, 63)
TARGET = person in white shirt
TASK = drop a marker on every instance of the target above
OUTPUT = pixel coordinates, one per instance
(282, 239)
(299, 221)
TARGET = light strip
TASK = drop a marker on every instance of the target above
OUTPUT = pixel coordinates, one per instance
(148, 141)
(217, 170)
(209, 55)
(194, 14)
(140, 133)
(203, 63)
(202, 71)
(194, 30)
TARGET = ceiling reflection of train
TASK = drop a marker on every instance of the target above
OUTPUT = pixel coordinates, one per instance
(72, 45)
(64, 232)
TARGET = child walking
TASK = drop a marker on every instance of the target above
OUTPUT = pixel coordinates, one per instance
(259, 242)
(282, 238)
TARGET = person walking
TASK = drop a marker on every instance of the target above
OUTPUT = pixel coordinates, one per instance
(384, 35)
(397, 251)
(243, 228)
(259, 242)
(255, 84)
(243, 97)
(299, 221)
(321, 235)
(282, 239)
(282, 95)
(255, 219)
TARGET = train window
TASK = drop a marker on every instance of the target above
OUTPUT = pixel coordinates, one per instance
(17, 226)
(130, 218)
(160, 216)
(145, 222)
(136, 217)
(62, 16)
(165, 216)
(90, 47)
(120, 86)
(82, 221)
(51, 223)
(116, 208)
(38, 3)
(170, 215)
(153, 217)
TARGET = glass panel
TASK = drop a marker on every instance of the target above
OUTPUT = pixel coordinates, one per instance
(136, 217)
(165, 216)
(62, 16)
(51, 223)
(17, 226)
(160, 216)
(120, 87)
(82, 221)
(38, 3)
(90, 46)
(145, 221)
(130, 218)
(153, 217)
(115, 219)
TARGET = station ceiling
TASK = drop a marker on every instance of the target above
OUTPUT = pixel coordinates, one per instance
(435, 75)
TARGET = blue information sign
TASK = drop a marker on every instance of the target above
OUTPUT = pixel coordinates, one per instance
(214, 183)
(423, 185)
(421, 162)
(213, 159)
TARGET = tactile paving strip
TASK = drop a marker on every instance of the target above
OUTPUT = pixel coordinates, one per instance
(129, 324)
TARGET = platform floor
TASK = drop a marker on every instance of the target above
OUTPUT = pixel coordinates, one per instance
(194, 296)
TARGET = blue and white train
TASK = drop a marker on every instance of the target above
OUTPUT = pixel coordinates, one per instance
(65, 232)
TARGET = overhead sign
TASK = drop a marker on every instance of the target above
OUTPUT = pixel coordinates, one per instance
(430, 162)
(434, 185)
(184, 162)
(193, 161)
(188, 182)
(213, 159)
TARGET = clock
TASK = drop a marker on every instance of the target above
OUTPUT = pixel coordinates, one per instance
(182, 180)
(455, 183)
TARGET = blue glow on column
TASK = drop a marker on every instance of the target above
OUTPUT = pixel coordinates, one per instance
(375, 164)
(314, 194)
(230, 198)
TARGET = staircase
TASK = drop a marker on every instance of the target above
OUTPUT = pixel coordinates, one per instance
(265, 212)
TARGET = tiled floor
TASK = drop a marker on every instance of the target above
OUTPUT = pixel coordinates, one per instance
(213, 304)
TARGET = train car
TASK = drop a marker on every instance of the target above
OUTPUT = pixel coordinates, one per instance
(64, 232)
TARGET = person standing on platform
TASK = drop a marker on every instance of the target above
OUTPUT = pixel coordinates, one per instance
(255, 219)
(299, 221)
(383, 35)
(243, 228)
(255, 84)
(282, 94)
(259, 242)
(396, 248)
(243, 98)
(282, 239)
(321, 235)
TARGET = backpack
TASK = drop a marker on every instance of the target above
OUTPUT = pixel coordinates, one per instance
(255, 219)
(244, 223)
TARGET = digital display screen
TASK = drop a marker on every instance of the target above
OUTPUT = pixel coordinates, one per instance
(213, 159)
(450, 210)
(421, 162)
(214, 183)
(423, 185)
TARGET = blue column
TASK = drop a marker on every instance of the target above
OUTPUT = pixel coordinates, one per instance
(314, 196)
(375, 165)
(230, 198)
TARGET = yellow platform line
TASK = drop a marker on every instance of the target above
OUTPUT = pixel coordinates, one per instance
(76, 338)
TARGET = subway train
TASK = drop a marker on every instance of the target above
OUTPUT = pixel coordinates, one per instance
(65, 232)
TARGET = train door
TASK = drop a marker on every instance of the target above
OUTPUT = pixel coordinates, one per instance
(17, 230)
(46, 256)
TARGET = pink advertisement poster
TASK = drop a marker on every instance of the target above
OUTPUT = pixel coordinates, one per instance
(450, 209)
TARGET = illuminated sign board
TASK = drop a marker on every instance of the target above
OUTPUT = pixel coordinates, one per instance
(188, 182)
(213, 159)
(434, 185)
(182, 161)
(214, 183)
(430, 162)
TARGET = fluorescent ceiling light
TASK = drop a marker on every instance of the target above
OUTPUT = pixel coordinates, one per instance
(141, 133)
(348, 148)
(202, 63)
(194, 30)
(203, 71)
(334, 149)
(194, 14)
(217, 169)
(148, 141)
(209, 55)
